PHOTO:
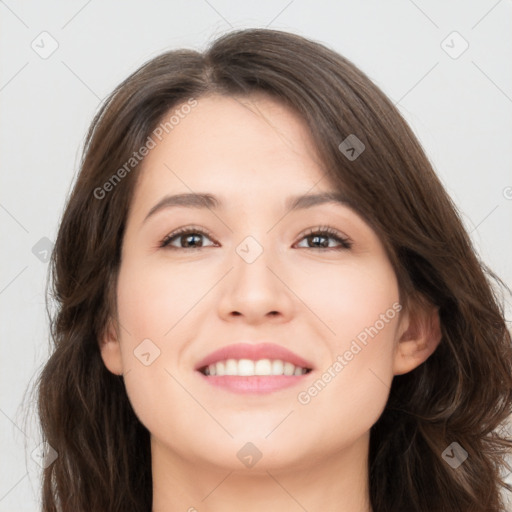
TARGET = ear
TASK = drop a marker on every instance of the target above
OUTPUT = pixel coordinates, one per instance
(110, 349)
(421, 335)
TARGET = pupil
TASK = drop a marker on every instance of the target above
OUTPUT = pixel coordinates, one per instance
(189, 238)
(316, 238)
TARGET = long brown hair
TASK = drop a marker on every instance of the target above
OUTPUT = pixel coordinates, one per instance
(461, 394)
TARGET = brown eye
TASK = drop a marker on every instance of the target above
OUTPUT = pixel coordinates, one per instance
(321, 235)
(188, 238)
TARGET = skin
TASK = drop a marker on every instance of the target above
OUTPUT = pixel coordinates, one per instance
(253, 153)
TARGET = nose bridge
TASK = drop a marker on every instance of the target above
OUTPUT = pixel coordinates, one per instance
(253, 289)
(256, 246)
(252, 259)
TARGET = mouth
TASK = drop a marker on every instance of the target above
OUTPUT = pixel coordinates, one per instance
(249, 368)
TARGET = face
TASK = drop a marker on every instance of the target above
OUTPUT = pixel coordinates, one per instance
(246, 269)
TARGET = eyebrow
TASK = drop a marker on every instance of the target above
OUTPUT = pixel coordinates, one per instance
(203, 201)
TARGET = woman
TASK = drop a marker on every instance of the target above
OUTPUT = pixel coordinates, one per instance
(267, 299)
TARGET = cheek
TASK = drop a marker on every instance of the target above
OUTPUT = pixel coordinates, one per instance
(349, 393)
(351, 300)
(360, 305)
(156, 302)
(153, 298)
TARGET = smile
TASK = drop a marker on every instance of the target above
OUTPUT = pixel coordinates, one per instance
(253, 368)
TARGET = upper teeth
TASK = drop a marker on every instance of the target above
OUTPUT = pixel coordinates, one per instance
(247, 367)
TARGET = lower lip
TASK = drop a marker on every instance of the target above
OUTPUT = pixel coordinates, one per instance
(257, 384)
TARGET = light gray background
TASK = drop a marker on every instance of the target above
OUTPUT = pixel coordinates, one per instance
(460, 108)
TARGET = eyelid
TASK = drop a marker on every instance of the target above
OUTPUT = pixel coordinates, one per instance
(182, 231)
(329, 232)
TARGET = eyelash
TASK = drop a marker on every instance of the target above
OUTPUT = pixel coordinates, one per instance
(325, 231)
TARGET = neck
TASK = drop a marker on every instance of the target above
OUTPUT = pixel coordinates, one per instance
(337, 483)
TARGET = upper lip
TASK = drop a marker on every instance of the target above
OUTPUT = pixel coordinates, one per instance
(253, 352)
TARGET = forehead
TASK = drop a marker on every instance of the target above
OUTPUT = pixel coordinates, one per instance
(234, 146)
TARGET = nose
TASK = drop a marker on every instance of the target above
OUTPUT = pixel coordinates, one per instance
(256, 291)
